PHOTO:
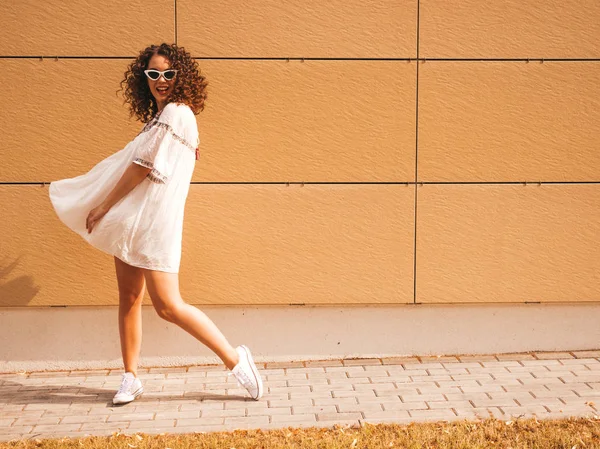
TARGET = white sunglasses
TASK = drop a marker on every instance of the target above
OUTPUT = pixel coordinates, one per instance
(154, 75)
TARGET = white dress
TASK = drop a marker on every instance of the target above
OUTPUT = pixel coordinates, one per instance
(144, 228)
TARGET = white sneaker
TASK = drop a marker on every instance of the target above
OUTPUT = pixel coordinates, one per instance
(247, 374)
(130, 388)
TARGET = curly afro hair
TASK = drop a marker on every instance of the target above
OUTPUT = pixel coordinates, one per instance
(189, 89)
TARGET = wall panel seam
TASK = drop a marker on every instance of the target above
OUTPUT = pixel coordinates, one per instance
(416, 156)
(284, 58)
(399, 183)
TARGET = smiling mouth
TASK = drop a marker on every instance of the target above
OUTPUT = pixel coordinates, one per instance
(162, 90)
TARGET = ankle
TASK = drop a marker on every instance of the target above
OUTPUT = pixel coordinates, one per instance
(232, 360)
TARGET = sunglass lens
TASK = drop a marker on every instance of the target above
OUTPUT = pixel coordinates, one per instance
(153, 74)
(170, 74)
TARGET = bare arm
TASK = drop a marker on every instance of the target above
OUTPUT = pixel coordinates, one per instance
(132, 177)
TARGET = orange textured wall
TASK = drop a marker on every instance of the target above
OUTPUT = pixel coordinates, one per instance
(436, 152)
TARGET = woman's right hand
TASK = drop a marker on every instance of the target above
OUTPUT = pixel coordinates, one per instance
(94, 217)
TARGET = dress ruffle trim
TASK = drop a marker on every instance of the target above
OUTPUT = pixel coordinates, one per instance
(154, 175)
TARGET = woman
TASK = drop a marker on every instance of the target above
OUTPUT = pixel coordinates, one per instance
(131, 205)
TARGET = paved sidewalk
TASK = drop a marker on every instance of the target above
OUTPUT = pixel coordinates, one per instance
(320, 393)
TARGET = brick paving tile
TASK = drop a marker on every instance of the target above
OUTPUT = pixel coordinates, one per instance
(92, 427)
(500, 363)
(580, 361)
(361, 362)
(249, 404)
(422, 366)
(399, 360)
(300, 382)
(393, 405)
(486, 412)
(332, 401)
(390, 414)
(12, 437)
(588, 393)
(497, 402)
(383, 380)
(323, 363)
(130, 417)
(380, 368)
(364, 384)
(274, 365)
(554, 394)
(327, 375)
(441, 359)
(16, 429)
(320, 389)
(575, 368)
(435, 378)
(422, 397)
(157, 423)
(352, 394)
(284, 376)
(586, 354)
(178, 415)
(432, 414)
(515, 356)
(314, 409)
(346, 369)
(200, 429)
(211, 413)
(300, 402)
(377, 399)
(449, 404)
(270, 411)
(359, 407)
(477, 358)
(207, 368)
(571, 408)
(56, 428)
(525, 401)
(553, 355)
(293, 419)
(6, 422)
(524, 411)
(318, 394)
(200, 421)
(454, 369)
(31, 421)
(338, 416)
(83, 419)
(315, 369)
(249, 421)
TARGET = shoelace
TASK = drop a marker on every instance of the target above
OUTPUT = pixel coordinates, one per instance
(243, 378)
(125, 385)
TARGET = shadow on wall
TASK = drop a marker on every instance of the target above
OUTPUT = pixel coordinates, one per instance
(16, 292)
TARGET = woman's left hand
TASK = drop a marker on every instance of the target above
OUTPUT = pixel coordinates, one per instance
(94, 217)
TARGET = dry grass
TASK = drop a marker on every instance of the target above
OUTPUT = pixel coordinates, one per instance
(582, 433)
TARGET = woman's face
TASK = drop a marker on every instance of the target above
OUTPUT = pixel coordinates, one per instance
(161, 88)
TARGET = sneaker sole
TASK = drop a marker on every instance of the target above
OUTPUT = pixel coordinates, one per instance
(255, 372)
(135, 395)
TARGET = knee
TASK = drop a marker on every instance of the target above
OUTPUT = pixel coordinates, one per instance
(167, 313)
(129, 298)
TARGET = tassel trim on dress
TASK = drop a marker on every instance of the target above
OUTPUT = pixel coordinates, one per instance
(169, 128)
(154, 175)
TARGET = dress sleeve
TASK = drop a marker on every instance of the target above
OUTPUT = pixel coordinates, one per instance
(157, 146)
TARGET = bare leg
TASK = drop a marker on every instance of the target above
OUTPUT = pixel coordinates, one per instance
(166, 298)
(131, 293)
